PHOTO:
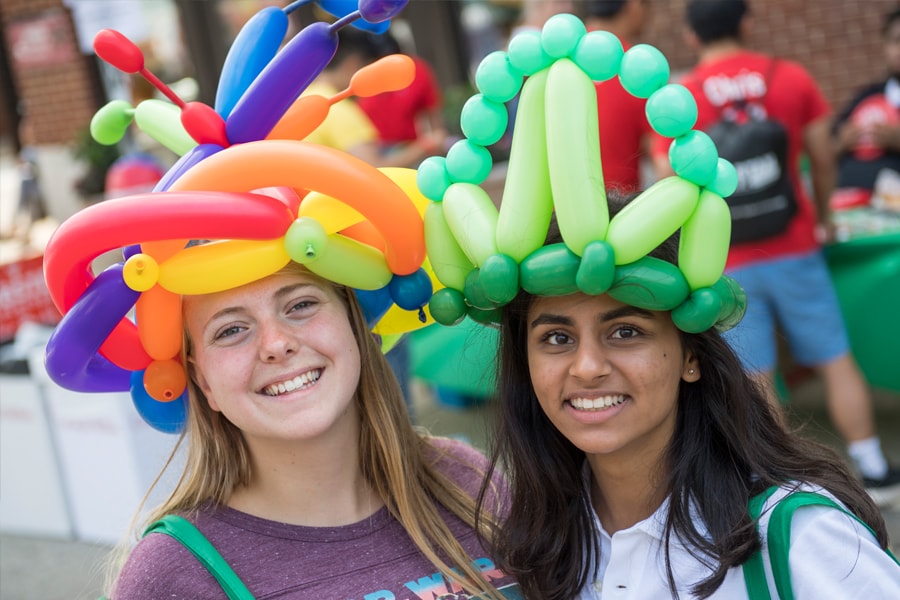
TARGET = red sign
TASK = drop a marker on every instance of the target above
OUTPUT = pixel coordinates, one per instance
(42, 41)
(24, 296)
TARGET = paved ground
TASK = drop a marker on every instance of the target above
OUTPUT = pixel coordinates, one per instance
(59, 570)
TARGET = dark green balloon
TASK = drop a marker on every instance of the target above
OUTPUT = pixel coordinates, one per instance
(550, 271)
(649, 283)
(699, 312)
(598, 268)
(476, 295)
(485, 317)
(499, 278)
(447, 306)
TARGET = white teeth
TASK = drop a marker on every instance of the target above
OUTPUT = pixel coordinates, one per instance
(296, 383)
(596, 403)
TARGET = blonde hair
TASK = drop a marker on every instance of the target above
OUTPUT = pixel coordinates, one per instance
(397, 461)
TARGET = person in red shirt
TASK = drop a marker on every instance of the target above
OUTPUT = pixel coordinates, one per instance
(411, 116)
(624, 131)
(785, 275)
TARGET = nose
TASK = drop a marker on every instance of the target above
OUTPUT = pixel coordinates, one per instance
(589, 361)
(276, 342)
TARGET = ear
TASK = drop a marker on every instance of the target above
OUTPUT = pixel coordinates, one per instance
(690, 371)
(200, 381)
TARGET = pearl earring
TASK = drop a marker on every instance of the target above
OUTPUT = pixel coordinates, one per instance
(690, 372)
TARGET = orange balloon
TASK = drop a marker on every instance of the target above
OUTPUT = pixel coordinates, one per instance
(388, 74)
(303, 116)
(366, 233)
(158, 314)
(302, 165)
(165, 380)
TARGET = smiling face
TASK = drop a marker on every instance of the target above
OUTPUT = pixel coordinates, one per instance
(607, 374)
(277, 357)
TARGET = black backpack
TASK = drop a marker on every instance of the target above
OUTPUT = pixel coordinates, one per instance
(763, 204)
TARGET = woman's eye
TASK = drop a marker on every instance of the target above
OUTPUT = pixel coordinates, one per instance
(301, 305)
(556, 338)
(229, 331)
(625, 332)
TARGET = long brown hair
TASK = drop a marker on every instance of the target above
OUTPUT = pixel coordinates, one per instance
(396, 460)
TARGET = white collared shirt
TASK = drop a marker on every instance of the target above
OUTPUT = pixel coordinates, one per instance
(832, 557)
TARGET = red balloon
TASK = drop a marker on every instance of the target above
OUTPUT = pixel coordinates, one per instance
(204, 124)
(119, 51)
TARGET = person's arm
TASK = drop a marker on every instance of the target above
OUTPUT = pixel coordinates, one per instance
(819, 148)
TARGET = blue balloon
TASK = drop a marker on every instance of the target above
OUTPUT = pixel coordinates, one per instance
(72, 357)
(411, 292)
(342, 8)
(378, 11)
(255, 45)
(374, 303)
(281, 82)
(168, 417)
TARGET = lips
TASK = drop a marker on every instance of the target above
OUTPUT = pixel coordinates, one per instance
(299, 382)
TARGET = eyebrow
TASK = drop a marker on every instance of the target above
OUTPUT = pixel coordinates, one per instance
(616, 313)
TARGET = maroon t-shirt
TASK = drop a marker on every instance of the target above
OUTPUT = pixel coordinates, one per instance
(373, 559)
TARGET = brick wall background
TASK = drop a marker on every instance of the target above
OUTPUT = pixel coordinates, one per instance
(59, 98)
(838, 41)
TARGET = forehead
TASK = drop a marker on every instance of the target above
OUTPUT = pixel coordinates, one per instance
(573, 302)
(260, 291)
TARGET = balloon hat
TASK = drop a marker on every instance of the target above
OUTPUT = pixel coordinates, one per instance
(484, 256)
(254, 193)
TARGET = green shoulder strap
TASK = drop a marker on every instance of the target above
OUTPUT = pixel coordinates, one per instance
(190, 537)
(779, 541)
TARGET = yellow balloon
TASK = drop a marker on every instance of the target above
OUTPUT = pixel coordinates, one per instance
(332, 214)
(221, 265)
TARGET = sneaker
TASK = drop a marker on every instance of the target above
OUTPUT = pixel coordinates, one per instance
(885, 491)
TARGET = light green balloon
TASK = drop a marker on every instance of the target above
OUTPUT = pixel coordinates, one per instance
(671, 110)
(468, 162)
(346, 261)
(599, 54)
(496, 78)
(644, 70)
(162, 121)
(645, 222)
(573, 153)
(694, 157)
(704, 241)
(726, 179)
(527, 54)
(483, 121)
(305, 240)
(448, 261)
(527, 203)
(109, 124)
(472, 217)
(560, 34)
(432, 178)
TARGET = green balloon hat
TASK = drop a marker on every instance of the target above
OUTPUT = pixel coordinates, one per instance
(484, 256)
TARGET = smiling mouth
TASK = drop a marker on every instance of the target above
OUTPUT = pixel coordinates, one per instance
(601, 403)
(297, 383)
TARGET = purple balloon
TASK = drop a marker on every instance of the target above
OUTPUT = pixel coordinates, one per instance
(376, 11)
(72, 357)
(281, 82)
(168, 417)
(186, 162)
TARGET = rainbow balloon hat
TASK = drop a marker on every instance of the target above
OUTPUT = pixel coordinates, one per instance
(254, 192)
(484, 256)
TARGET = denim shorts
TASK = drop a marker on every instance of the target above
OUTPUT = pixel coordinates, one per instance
(797, 296)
